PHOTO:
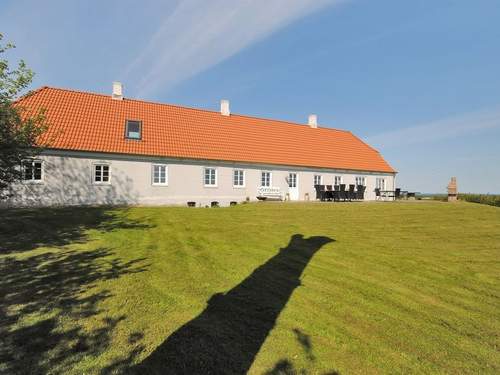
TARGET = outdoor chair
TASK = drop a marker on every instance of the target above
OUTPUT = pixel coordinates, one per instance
(360, 192)
(336, 193)
(377, 194)
(320, 192)
(397, 193)
(351, 193)
(329, 192)
(343, 193)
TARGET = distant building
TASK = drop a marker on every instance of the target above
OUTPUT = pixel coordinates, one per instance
(107, 149)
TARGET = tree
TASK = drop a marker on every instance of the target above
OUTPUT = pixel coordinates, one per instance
(20, 130)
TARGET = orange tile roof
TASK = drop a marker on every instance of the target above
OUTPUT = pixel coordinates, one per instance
(94, 122)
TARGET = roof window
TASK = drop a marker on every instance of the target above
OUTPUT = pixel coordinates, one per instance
(133, 129)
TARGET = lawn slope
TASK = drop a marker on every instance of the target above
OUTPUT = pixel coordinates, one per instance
(264, 288)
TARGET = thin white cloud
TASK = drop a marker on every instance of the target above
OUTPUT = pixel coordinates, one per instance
(199, 34)
(446, 128)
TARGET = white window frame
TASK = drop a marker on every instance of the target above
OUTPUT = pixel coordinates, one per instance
(380, 183)
(32, 180)
(153, 174)
(335, 180)
(320, 179)
(363, 179)
(204, 175)
(270, 178)
(94, 165)
(296, 180)
(244, 178)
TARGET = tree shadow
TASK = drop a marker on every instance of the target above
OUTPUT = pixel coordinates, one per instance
(38, 292)
(227, 335)
(120, 366)
(306, 343)
(68, 182)
(25, 229)
(285, 367)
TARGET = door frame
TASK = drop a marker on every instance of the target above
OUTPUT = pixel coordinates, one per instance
(293, 192)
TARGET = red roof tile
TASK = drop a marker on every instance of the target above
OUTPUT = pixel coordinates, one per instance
(94, 122)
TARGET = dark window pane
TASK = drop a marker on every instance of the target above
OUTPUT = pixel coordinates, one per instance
(28, 170)
(37, 175)
(101, 173)
(133, 129)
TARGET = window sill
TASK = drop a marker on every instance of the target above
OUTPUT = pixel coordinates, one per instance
(239, 187)
(33, 182)
(159, 185)
(210, 186)
(101, 183)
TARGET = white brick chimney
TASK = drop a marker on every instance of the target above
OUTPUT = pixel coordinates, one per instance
(117, 91)
(313, 121)
(224, 107)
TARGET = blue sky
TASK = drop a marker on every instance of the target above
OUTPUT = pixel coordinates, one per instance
(419, 80)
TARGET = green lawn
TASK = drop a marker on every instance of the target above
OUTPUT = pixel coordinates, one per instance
(268, 288)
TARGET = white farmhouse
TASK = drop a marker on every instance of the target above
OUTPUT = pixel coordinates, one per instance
(107, 149)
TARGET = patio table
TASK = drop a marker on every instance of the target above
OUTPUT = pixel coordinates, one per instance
(387, 193)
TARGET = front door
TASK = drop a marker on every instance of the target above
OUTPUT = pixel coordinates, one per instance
(293, 186)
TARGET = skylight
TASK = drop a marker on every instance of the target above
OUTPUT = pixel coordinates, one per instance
(133, 129)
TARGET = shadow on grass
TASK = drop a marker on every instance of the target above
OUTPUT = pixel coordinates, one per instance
(228, 334)
(45, 289)
(305, 341)
(26, 229)
(46, 298)
(285, 366)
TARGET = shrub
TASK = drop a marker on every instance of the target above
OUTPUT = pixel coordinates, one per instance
(490, 199)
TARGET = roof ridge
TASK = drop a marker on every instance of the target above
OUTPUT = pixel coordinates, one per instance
(187, 107)
(30, 93)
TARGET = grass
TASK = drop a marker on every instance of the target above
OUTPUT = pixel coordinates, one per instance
(268, 288)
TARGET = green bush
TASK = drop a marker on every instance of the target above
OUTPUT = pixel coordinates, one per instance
(490, 199)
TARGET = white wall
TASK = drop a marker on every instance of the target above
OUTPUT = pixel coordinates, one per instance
(67, 180)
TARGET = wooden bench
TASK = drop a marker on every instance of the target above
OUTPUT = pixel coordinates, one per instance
(265, 193)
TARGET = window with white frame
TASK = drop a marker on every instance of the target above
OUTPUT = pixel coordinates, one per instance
(318, 179)
(32, 170)
(210, 177)
(380, 183)
(133, 129)
(160, 174)
(292, 180)
(238, 178)
(265, 179)
(337, 180)
(101, 174)
(360, 180)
